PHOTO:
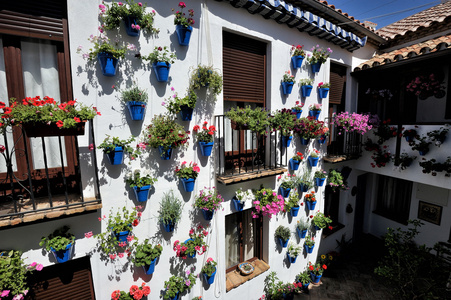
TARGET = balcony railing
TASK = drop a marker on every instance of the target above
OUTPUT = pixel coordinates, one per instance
(344, 146)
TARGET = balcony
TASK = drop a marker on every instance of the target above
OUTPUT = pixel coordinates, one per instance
(345, 146)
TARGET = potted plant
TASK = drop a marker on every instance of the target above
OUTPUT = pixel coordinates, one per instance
(336, 181)
(208, 77)
(409, 134)
(318, 57)
(309, 243)
(304, 278)
(146, 256)
(195, 244)
(60, 242)
(141, 182)
(313, 158)
(283, 235)
(315, 110)
(433, 166)
(381, 158)
(308, 128)
(136, 101)
(320, 221)
(296, 160)
(161, 59)
(422, 145)
(205, 137)
(284, 120)
(183, 24)
(306, 86)
(352, 122)
(177, 285)
(209, 270)
(297, 56)
(185, 105)
(135, 293)
(316, 271)
(114, 149)
(273, 286)
(292, 205)
(404, 161)
(14, 274)
(287, 83)
(208, 201)
(384, 131)
(305, 183)
(264, 197)
(301, 228)
(188, 174)
(133, 14)
(292, 252)
(320, 177)
(297, 109)
(246, 268)
(287, 182)
(165, 134)
(255, 119)
(323, 89)
(241, 198)
(310, 200)
(439, 136)
(46, 117)
(170, 211)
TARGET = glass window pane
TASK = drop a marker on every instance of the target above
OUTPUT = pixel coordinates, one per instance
(232, 244)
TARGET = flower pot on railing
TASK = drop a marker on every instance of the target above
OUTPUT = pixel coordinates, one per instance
(165, 154)
(322, 139)
(210, 279)
(297, 112)
(169, 227)
(286, 140)
(131, 30)
(291, 259)
(294, 211)
(150, 268)
(320, 181)
(237, 204)
(186, 113)
(206, 148)
(308, 249)
(314, 113)
(208, 214)
(310, 205)
(306, 90)
(283, 243)
(294, 164)
(313, 161)
(301, 233)
(188, 184)
(315, 278)
(183, 34)
(284, 192)
(303, 188)
(161, 70)
(64, 255)
(108, 63)
(116, 157)
(297, 61)
(322, 92)
(142, 193)
(137, 110)
(316, 67)
(287, 87)
(304, 141)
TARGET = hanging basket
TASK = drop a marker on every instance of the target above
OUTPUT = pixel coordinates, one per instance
(142, 193)
(188, 184)
(206, 148)
(287, 87)
(296, 61)
(169, 227)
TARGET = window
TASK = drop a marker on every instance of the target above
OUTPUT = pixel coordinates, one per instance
(393, 198)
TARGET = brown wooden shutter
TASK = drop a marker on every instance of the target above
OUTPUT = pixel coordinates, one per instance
(244, 64)
(337, 83)
(39, 19)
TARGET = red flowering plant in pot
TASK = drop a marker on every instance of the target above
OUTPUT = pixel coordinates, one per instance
(385, 132)
(188, 174)
(135, 293)
(195, 244)
(381, 157)
(205, 137)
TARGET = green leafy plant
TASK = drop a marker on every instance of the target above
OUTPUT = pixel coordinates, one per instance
(283, 120)
(384, 131)
(306, 81)
(207, 134)
(102, 44)
(206, 76)
(294, 250)
(273, 287)
(320, 174)
(293, 201)
(187, 171)
(134, 94)
(209, 199)
(195, 244)
(174, 104)
(210, 267)
(58, 240)
(287, 181)
(309, 241)
(303, 277)
(139, 178)
(306, 180)
(283, 232)
(247, 118)
(288, 77)
(109, 143)
(145, 253)
(422, 144)
(171, 208)
(179, 17)
(404, 160)
(160, 54)
(164, 131)
(336, 181)
(320, 220)
(319, 55)
(178, 284)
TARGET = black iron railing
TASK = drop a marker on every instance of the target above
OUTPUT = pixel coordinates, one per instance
(348, 144)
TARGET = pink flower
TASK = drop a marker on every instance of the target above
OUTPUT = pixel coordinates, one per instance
(120, 3)
(130, 238)
(88, 234)
(33, 264)
(112, 256)
(121, 254)
(4, 293)
(187, 272)
(91, 147)
(2, 148)
(39, 267)
(140, 4)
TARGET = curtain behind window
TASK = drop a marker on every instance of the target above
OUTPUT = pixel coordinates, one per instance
(394, 197)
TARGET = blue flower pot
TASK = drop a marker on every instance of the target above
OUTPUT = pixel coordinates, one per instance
(161, 70)
(206, 148)
(314, 113)
(315, 278)
(237, 204)
(316, 67)
(150, 268)
(308, 249)
(108, 63)
(294, 164)
(322, 93)
(316, 227)
(291, 259)
(409, 138)
(294, 211)
(303, 188)
(137, 110)
(176, 297)
(122, 236)
(183, 34)
(304, 141)
(301, 233)
(116, 157)
(322, 139)
(306, 90)
(63, 255)
(297, 112)
(423, 153)
(284, 192)
(129, 20)
(287, 87)
(210, 279)
(283, 243)
(313, 161)
(186, 113)
(142, 193)
(297, 61)
(164, 154)
(320, 181)
(169, 227)
(305, 285)
(310, 205)
(188, 184)
(286, 140)
(208, 215)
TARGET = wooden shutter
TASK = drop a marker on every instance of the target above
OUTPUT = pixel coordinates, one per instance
(337, 83)
(39, 19)
(244, 64)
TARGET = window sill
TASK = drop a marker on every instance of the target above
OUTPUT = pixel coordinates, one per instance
(235, 279)
(333, 159)
(328, 232)
(235, 178)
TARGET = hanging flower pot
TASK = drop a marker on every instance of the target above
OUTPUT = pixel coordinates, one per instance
(315, 278)
(142, 193)
(308, 249)
(137, 110)
(188, 184)
(306, 90)
(187, 254)
(131, 27)
(186, 113)
(320, 181)
(210, 279)
(305, 285)
(161, 70)
(313, 161)
(303, 188)
(301, 233)
(424, 152)
(284, 192)
(237, 204)
(322, 93)
(314, 113)
(294, 211)
(291, 259)
(287, 87)
(206, 148)
(165, 154)
(150, 268)
(294, 164)
(169, 227)
(108, 63)
(297, 112)
(116, 157)
(208, 214)
(62, 256)
(282, 242)
(297, 61)
(316, 67)
(122, 236)
(286, 140)
(409, 138)
(316, 228)
(310, 205)
(322, 139)
(183, 34)
(304, 141)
